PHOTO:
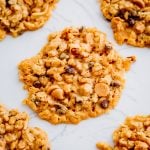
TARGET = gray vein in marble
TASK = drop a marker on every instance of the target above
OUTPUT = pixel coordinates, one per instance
(130, 97)
(61, 17)
(61, 133)
(121, 112)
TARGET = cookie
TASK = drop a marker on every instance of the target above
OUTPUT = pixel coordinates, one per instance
(133, 134)
(18, 16)
(77, 75)
(15, 133)
(130, 20)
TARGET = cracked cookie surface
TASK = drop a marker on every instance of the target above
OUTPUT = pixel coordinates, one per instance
(15, 133)
(18, 16)
(77, 75)
(130, 20)
(133, 134)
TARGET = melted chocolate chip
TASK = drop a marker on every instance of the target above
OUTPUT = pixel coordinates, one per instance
(115, 84)
(104, 104)
(7, 3)
(132, 16)
(69, 70)
(37, 84)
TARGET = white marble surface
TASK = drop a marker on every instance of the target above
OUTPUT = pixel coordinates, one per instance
(135, 98)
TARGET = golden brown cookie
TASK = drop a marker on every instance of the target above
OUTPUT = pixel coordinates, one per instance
(130, 20)
(18, 16)
(133, 134)
(15, 133)
(77, 75)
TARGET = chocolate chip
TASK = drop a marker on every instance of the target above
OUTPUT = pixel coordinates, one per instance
(112, 62)
(37, 84)
(75, 52)
(7, 3)
(81, 29)
(65, 36)
(51, 78)
(104, 104)
(134, 15)
(115, 84)
(93, 106)
(107, 49)
(121, 13)
(131, 21)
(69, 70)
(131, 18)
(132, 58)
(60, 110)
(91, 65)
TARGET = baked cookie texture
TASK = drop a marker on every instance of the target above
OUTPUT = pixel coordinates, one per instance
(77, 75)
(133, 134)
(130, 20)
(18, 16)
(15, 133)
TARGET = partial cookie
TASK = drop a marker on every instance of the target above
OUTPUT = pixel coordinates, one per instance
(18, 16)
(133, 134)
(77, 75)
(130, 20)
(15, 133)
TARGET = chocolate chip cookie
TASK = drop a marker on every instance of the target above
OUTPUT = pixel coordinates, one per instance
(130, 20)
(15, 133)
(133, 134)
(76, 75)
(18, 16)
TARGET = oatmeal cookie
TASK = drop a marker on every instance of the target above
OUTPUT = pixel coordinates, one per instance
(77, 75)
(17, 16)
(15, 133)
(133, 134)
(130, 20)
